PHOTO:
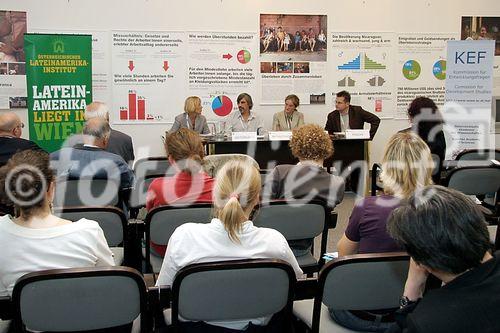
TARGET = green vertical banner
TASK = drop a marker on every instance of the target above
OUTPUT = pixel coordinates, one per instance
(59, 79)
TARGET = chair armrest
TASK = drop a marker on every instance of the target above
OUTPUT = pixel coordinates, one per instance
(332, 220)
(306, 289)
(6, 308)
(162, 295)
(158, 299)
(150, 280)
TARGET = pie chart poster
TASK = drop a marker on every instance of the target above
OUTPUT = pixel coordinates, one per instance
(221, 65)
(420, 68)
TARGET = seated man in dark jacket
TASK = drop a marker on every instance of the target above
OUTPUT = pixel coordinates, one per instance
(11, 128)
(445, 234)
(90, 159)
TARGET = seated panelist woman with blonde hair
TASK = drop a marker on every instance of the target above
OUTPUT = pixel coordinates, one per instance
(289, 118)
(191, 118)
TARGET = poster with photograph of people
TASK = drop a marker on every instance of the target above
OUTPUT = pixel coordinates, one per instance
(293, 37)
(293, 54)
(480, 28)
(12, 59)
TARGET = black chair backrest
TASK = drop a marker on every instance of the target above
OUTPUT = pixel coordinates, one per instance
(232, 290)
(293, 219)
(138, 195)
(87, 192)
(475, 180)
(361, 282)
(152, 166)
(161, 222)
(111, 220)
(79, 299)
(479, 155)
(376, 185)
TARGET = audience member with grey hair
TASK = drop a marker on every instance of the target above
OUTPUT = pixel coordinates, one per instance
(119, 143)
(91, 158)
(11, 128)
(96, 129)
(445, 235)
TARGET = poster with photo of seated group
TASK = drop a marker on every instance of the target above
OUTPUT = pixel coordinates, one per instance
(293, 57)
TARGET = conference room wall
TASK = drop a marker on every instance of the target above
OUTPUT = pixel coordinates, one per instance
(243, 15)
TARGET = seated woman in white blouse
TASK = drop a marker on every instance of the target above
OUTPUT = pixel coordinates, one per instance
(230, 235)
(192, 117)
(37, 240)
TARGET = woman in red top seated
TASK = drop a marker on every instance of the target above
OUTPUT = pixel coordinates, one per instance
(190, 184)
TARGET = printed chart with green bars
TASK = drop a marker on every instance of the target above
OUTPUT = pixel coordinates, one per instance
(370, 64)
(411, 69)
(361, 62)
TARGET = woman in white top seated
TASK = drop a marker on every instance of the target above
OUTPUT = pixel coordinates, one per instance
(230, 235)
(289, 118)
(37, 240)
(191, 118)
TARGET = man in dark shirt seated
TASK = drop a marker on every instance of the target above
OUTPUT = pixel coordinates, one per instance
(90, 159)
(11, 129)
(119, 143)
(445, 234)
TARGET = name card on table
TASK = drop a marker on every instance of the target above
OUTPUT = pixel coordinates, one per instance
(280, 135)
(357, 134)
(244, 136)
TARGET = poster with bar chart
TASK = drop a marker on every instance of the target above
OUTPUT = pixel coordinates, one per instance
(420, 68)
(363, 65)
(136, 108)
(148, 76)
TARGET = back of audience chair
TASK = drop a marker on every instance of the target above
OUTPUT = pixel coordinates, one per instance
(87, 192)
(78, 299)
(474, 180)
(376, 184)
(161, 223)
(152, 166)
(233, 290)
(479, 155)
(479, 181)
(138, 195)
(361, 282)
(297, 220)
(112, 221)
(358, 282)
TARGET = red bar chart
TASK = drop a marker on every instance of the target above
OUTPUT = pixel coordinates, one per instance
(123, 113)
(132, 105)
(136, 109)
(141, 108)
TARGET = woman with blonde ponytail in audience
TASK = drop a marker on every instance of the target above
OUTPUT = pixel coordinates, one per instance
(230, 235)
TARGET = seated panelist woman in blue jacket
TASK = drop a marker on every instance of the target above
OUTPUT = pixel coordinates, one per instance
(191, 118)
